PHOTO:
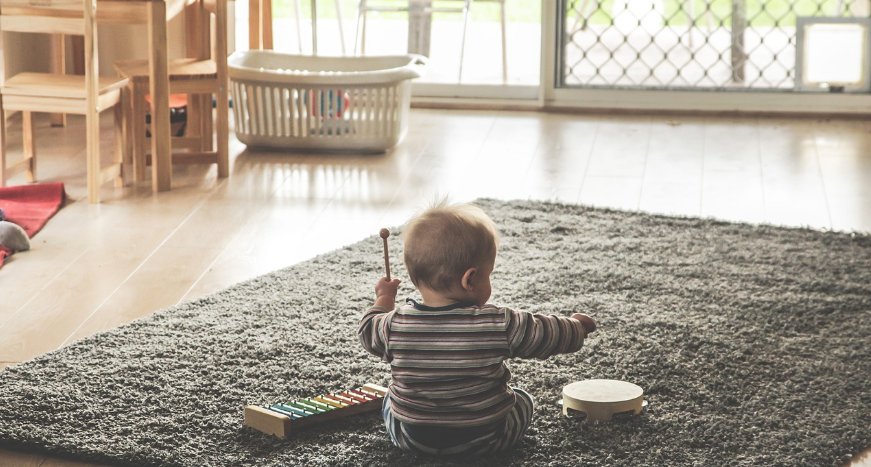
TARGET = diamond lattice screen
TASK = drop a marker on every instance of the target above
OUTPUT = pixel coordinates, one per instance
(713, 44)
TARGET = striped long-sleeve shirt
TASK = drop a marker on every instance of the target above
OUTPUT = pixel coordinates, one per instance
(448, 363)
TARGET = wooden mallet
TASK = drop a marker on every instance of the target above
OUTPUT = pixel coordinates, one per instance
(384, 234)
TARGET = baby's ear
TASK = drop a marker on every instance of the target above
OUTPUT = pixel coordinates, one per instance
(467, 279)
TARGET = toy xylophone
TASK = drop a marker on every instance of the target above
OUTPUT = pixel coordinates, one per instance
(278, 419)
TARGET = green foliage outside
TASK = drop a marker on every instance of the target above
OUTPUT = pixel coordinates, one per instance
(518, 11)
(768, 13)
(765, 13)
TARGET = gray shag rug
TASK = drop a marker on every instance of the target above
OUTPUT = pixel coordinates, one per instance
(753, 344)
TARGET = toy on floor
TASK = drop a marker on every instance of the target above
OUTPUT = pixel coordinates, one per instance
(602, 400)
(12, 236)
(279, 419)
(384, 234)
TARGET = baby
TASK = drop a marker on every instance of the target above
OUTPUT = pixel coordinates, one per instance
(450, 392)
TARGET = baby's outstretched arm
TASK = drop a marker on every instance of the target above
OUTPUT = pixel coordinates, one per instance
(373, 330)
(588, 323)
(385, 293)
(533, 335)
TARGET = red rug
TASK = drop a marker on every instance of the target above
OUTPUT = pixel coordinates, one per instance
(30, 207)
(4, 252)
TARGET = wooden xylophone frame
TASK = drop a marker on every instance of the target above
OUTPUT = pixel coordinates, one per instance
(602, 400)
(278, 419)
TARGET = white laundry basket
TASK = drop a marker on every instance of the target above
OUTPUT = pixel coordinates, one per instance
(322, 103)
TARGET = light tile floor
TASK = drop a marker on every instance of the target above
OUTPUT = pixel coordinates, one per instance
(94, 267)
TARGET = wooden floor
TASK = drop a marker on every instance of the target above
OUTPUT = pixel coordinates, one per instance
(94, 267)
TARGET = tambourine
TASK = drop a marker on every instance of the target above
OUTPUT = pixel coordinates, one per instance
(602, 400)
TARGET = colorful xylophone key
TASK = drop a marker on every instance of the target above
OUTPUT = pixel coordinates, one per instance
(278, 419)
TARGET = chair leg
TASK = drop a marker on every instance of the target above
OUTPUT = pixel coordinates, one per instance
(341, 25)
(193, 33)
(223, 130)
(708, 20)
(195, 120)
(691, 20)
(123, 117)
(92, 128)
(580, 20)
(504, 42)
(58, 65)
(360, 33)
(255, 38)
(266, 11)
(29, 141)
(466, 12)
(118, 158)
(3, 175)
(298, 25)
(207, 129)
(137, 129)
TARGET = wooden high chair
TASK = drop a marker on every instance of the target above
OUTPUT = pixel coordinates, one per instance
(87, 95)
(260, 25)
(425, 9)
(201, 78)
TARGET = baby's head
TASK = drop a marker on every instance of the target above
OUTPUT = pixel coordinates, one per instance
(447, 240)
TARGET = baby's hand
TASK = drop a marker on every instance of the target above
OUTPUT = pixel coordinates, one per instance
(587, 322)
(385, 292)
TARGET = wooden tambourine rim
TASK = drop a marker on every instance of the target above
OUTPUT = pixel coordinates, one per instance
(620, 398)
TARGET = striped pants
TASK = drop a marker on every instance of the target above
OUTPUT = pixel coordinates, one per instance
(500, 437)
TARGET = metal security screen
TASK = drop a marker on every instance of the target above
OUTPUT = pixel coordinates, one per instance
(686, 44)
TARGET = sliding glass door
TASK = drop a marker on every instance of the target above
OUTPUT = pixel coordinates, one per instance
(636, 54)
(468, 42)
(709, 54)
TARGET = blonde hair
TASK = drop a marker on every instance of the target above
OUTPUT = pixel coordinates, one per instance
(444, 241)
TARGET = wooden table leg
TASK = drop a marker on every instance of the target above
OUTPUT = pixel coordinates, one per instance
(92, 111)
(222, 98)
(197, 34)
(254, 24)
(136, 128)
(161, 149)
(58, 66)
(266, 23)
(78, 50)
(260, 24)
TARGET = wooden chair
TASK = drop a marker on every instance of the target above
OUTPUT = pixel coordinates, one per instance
(427, 7)
(260, 25)
(49, 92)
(582, 17)
(200, 77)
